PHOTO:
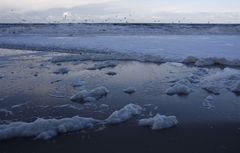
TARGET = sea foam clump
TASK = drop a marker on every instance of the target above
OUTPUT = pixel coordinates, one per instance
(45, 128)
(181, 88)
(89, 96)
(159, 122)
(124, 114)
(48, 128)
(227, 79)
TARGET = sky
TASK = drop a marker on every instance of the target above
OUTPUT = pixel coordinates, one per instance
(196, 11)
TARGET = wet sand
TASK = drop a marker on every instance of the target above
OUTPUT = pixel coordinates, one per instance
(29, 80)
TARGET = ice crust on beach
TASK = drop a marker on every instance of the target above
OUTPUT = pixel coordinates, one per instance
(89, 96)
(180, 87)
(48, 128)
(159, 122)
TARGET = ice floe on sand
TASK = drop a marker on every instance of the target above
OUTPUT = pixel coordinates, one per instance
(129, 90)
(159, 122)
(227, 79)
(181, 87)
(89, 96)
(48, 128)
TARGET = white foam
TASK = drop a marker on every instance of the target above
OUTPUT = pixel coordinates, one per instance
(180, 87)
(159, 122)
(48, 128)
(124, 114)
(45, 128)
(227, 79)
(89, 96)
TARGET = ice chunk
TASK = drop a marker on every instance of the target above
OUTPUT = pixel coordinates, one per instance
(180, 87)
(103, 65)
(45, 128)
(124, 114)
(130, 90)
(62, 71)
(89, 96)
(159, 122)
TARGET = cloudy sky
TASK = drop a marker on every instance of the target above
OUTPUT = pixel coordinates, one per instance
(201, 11)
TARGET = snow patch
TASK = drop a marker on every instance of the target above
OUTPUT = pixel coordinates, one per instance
(159, 122)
